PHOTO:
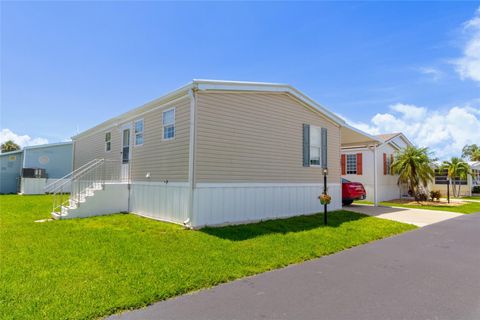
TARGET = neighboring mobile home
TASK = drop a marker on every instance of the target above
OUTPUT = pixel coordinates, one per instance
(212, 153)
(10, 170)
(358, 164)
(54, 161)
(465, 187)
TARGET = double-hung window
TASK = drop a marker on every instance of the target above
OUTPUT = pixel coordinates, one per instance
(139, 132)
(351, 164)
(108, 141)
(315, 146)
(168, 121)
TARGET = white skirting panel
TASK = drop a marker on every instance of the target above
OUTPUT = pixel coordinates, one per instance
(32, 185)
(113, 198)
(231, 203)
(167, 202)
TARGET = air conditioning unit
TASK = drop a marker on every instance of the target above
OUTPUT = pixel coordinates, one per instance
(34, 173)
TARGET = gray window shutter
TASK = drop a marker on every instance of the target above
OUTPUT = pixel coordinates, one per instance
(324, 148)
(306, 145)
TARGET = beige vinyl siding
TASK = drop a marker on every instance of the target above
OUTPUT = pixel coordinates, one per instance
(165, 160)
(257, 137)
(93, 147)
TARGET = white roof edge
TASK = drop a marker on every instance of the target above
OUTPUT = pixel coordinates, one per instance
(10, 152)
(265, 86)
(205, 84)
(47, 145)
(402, 135)
(143, 107)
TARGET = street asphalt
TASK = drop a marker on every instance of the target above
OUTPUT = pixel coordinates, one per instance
(431, 273)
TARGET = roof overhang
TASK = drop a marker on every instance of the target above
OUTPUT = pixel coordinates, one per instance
(474, 165)
(10, 152)
(48, 145)
(354, 138)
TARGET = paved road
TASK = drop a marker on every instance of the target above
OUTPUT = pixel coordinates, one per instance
(418, 217)
(429, 273)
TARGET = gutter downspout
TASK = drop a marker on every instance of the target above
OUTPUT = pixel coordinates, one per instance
(191, 159)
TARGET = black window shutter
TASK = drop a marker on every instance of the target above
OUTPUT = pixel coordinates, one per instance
(306, 145)
(324, 148)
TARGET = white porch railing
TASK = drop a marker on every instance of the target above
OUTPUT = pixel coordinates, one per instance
(83, 182)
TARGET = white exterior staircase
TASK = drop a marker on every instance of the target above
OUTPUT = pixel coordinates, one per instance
(97, 188)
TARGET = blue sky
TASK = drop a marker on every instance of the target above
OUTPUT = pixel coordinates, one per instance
(413, 67)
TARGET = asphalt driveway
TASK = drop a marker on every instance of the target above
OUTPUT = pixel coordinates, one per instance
(429, 273)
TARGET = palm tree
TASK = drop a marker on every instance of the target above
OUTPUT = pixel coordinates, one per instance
(457, 169)
(414, 167)
(9, 145)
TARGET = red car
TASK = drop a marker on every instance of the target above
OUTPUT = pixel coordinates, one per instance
(352, 191)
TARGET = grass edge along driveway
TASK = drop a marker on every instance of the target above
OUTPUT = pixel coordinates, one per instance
(470, 207)
(88, 268)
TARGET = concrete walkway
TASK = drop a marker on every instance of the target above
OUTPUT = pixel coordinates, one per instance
(428, 273)
(418, 217)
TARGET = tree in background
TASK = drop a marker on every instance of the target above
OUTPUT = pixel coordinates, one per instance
(414, 167)
(457, 169)
(9, 145)
(471, 151)
(475, 156)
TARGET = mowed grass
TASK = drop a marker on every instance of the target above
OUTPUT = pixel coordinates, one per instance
(87, 268)
(470, 207)
(472, 198)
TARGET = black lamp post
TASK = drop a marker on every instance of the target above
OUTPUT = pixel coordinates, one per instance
(448, 190)
(325, 173)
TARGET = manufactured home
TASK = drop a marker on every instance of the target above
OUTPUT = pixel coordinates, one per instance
(371, 166)
(10, 170)
(211, 153)
(465, 186)
(30, 170)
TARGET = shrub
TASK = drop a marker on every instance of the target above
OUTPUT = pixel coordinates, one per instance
(435, 195)
(421, 196)
(476, 189)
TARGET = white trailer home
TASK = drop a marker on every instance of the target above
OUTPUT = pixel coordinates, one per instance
(370, 165)
(211, 153)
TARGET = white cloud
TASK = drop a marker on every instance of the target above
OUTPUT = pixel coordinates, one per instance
(21, 140)
(409, 111)
(434, 73)
(445, 133)
(468, 66)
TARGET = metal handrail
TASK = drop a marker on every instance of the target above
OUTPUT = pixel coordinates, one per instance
(75, 195)
(65, 179)
(84, 181)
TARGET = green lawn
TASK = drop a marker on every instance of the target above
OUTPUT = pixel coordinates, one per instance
(470, 207)
(472, 198)
(87, 268)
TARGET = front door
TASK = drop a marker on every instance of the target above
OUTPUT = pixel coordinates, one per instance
(125, 154)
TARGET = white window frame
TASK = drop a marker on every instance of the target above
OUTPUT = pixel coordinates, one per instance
(169, 124)
(316, 146)
(109, 141)
(354, 156)
(135, 133)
